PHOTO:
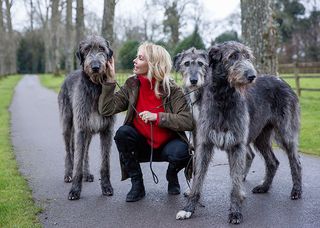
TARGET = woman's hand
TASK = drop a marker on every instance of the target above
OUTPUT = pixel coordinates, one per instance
(147, 116)
(110, 71)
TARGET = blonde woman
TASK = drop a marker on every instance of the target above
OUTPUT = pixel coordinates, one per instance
(150, 98)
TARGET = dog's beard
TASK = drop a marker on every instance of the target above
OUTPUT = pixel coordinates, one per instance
(97, 78)
(236, 81)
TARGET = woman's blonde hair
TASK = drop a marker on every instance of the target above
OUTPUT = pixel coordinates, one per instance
(159, 65)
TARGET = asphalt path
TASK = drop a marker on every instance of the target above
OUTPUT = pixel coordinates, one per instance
(38, 145)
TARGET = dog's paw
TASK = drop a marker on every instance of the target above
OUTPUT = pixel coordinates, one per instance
(235, 218)
(107, 190)
(296, 194)
(183, 215)
(74, 195)
(88, 177)
(260, 189)
(187, 193)
(68, 178)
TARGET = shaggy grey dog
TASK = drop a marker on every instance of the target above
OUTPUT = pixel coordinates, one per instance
(193, 65)
(78, 106)
(235, 114)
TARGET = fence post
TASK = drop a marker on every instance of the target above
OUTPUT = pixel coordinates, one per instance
(297, 78)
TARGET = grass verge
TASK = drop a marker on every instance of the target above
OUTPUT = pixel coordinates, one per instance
(309, 101)
(17, 208)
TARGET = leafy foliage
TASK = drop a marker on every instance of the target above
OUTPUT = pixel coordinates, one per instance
(194, 40)
(127, 54)
(227, 36)
(30, 54)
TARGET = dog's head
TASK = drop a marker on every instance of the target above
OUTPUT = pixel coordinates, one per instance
(192, 64)
(232, 61)
(93, 53)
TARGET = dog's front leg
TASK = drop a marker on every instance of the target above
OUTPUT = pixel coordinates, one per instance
(80, 146)
(236, 157)
(203, 156)
(105, 139)
(87, 176)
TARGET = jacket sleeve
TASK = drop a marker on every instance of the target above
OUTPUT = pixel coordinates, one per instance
(181, 118)
(110, 102)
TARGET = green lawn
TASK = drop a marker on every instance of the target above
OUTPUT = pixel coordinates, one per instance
(17, 208)
(310, 108)
(310, 115)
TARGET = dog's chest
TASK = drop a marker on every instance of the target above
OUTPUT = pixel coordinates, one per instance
(195, 107)
(96, 122)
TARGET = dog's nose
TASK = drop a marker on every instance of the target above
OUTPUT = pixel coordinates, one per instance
(193, 81)
(95, 68)
(251, 78)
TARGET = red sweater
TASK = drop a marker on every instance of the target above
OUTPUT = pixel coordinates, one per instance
(147, 101)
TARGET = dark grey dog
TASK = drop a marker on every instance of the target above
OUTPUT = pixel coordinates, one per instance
(235, 114)
(78, 106)
(193, 66)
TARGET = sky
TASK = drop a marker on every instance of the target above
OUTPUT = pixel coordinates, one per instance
(213, 9)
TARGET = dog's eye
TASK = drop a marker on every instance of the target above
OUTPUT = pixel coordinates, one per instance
(187, 63)
(87, 48)
(101, 49)
(234, 56)
(200, 63)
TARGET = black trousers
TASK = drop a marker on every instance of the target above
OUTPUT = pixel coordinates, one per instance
(133, 148)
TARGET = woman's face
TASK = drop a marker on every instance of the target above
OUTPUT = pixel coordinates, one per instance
(140, 64)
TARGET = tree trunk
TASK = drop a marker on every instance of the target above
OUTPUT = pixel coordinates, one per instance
(11, 44)
(108, 19)
(31, 14)
(2, 40)
(54, 38)
(79, 24)
(68, 39)
(172, 22)
(259, 33)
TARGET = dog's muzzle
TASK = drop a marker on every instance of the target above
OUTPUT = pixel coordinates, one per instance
(95, 66)
(250, 75)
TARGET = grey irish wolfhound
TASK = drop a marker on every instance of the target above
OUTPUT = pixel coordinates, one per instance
(78, 106)
(193, 65)
(235, 114)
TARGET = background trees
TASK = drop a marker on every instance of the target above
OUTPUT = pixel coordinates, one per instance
(287, 29)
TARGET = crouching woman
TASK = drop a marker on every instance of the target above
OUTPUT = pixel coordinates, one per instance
(156, 118)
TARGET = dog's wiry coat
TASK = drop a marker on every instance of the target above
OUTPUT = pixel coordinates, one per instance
(235, 114)
(78, 106)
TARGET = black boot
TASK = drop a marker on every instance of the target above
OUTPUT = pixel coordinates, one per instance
(172, 178)
(137, 191)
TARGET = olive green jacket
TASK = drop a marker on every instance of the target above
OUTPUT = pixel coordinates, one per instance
(177, 115)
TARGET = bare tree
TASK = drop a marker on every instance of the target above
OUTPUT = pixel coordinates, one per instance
(46, 31)
(29, 5)
(259, 32)
(2, 40)
(79, 24)
(68, 38)
(175, 16)
(55, 19)
(11, 44)
(108, 19)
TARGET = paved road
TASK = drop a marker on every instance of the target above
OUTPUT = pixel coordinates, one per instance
(38, 145)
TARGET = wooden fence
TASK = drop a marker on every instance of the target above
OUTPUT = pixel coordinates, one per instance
(300, 68)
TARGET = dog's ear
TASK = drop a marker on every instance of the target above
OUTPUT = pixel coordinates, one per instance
(204, 54)
(80, 54)
(107, 42)
(110, 53)
(177, 61)
(215, 55)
